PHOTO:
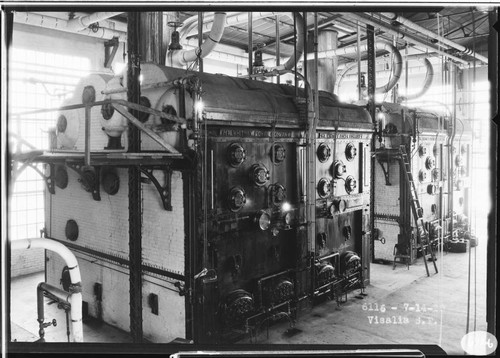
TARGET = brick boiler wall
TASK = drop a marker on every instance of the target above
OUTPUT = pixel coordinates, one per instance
(387, 196)
(162, 230)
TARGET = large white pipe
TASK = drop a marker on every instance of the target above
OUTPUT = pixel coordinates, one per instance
(180, 58)
(411, 25)
(82, 22)
(429, 76)
(74, 273)
(50, 22)
(350, 50)
(371, 20)
(190, 28)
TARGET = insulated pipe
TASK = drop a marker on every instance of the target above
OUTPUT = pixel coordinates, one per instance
(189, 29)
(429, 75)
(74, 272)
(368, 19)
(398, 61)
(83, 22)
(179, 58)
(411, 25)
(54, 23)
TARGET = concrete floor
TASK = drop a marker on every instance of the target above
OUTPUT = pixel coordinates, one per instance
(444, 296)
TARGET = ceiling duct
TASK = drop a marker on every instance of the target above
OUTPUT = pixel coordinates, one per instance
(413, 26)
(54, 23)
(82, 22)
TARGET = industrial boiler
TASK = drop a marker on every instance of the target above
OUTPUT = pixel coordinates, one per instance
(425, 150)
(226, 166)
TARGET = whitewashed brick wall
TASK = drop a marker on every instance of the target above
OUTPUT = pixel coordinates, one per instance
(25, 262)
(162, 230)
(102, 225)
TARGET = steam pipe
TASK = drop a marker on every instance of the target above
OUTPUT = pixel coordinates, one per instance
(369, 19)
(80, 23)
(242, 18)
(74, 272)
(179, 58)
(411, 25)
(398, 62)
(429, 75)
(55, 23)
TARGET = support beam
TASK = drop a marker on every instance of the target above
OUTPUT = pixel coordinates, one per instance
(370, 33)
(134, 183)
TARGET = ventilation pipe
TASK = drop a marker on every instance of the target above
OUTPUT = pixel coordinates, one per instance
(180, 58)
(413, 26)
(54, 23)
(189, 29)
(429, 75)
(82, 22)
(76, 287)
(350, 50)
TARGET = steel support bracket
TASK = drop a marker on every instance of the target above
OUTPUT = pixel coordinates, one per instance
(110, 48)
(164, 191)
(48, 179)
(93, 184)
(386, 171)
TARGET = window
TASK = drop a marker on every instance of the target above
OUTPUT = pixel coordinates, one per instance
(37, 80)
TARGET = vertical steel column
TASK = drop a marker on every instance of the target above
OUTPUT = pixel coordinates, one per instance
(8, 17)
(491, 263)
(200, 40)
(134, 182)
(358, 42)
(250, 44)
(277, 18)
(370, 34)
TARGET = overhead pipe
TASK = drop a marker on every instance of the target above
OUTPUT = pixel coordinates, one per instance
(54, 23)
(411, 25)
(189, 29)
(398, 61)
(74, 272)
(429, 76)
(371, 20)
(180, 58)
(82, 22)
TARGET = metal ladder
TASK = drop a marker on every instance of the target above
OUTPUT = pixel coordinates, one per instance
(422, 234)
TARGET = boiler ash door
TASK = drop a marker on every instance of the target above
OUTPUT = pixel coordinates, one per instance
(259, 174)
(237, 198)
(323, 152)
(350, 151)
(239, 304)
(236, 154)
